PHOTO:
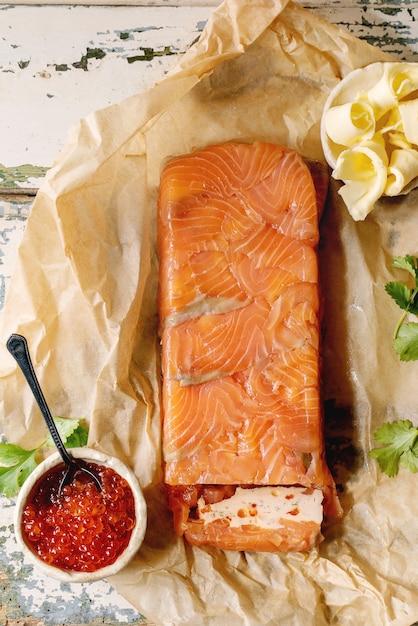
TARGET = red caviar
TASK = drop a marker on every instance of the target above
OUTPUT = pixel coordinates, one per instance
(84, 529)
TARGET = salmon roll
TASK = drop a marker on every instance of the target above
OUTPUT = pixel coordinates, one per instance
(243, 445)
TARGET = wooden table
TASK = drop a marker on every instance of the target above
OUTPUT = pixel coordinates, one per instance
(57, 64)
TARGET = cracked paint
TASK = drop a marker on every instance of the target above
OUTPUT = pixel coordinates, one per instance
(43, 598)
(372, 23)
(149, 54)
(21, 176)
(139, 42)
(13, 217)
(134, 47)
(92, 53)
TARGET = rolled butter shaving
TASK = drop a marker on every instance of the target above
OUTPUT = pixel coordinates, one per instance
(349, 123)
(396, 82)
(363, 169)
(397, 139)
(409, 115)
(403, 168)
(393, 121)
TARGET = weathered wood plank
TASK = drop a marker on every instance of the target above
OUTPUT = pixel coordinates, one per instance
(70, 61)
(392, 26)
(76, 59)
(13, 216)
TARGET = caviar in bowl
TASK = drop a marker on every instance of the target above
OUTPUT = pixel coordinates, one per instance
(84, 534)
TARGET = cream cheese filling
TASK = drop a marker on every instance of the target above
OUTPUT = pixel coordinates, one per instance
(265, 507)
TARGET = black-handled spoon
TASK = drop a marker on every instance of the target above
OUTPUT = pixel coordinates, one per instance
(18, 348)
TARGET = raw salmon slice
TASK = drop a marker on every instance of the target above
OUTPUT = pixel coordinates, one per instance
(239, 323)
(218, 344)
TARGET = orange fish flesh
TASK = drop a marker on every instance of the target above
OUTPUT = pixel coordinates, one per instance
(239, 321)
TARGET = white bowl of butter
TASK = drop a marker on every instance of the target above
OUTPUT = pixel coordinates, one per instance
(369, 134)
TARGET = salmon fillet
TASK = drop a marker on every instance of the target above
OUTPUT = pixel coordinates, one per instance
(240, 335)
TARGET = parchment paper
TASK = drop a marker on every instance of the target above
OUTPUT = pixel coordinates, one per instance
(84, 294)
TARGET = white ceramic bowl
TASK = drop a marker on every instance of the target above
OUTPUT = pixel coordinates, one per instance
(358, 81)
(136, 537)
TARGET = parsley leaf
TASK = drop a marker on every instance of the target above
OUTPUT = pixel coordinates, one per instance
(16, 463)
(405, 340)
(13, 476)
(409, 460)
(72, 432)
(407, 262)
(10, 454)
(78, 437)
(400, 446)
(400, 293)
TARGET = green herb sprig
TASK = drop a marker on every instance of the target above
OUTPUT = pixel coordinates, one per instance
(400, 447)
(16, 463)
(399, 439)
(405, 339)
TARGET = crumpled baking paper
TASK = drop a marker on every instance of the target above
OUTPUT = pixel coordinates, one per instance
(84, 290)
